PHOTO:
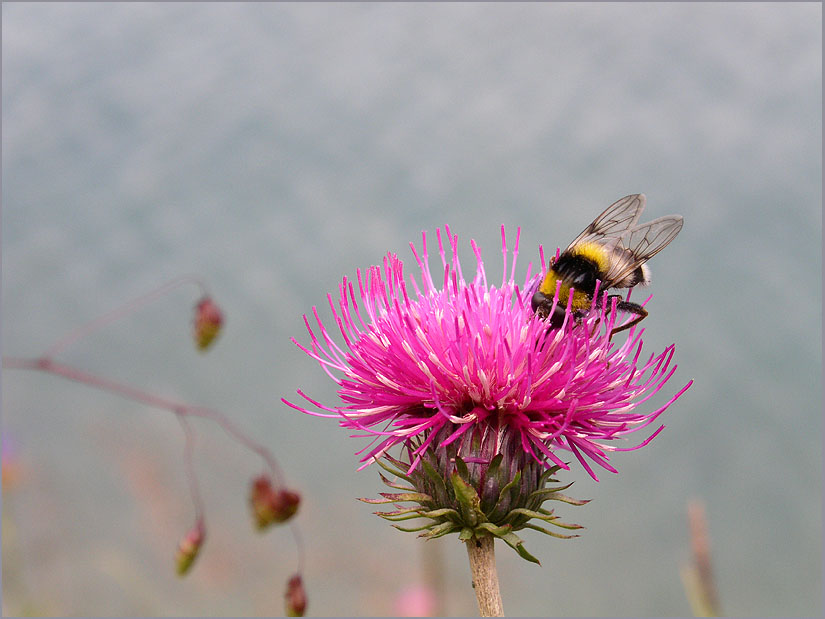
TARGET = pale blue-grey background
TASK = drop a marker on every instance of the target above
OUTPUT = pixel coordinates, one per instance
(274, 148)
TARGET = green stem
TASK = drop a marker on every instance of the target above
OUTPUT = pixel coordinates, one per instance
(485, 578)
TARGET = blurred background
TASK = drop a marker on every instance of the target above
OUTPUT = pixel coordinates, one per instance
(274, 148)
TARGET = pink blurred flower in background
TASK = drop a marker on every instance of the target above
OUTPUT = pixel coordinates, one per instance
(415, 600)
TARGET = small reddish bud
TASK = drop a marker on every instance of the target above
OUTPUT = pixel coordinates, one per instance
(296, 597)
(269, 505)
(189, 547)
(208, 322)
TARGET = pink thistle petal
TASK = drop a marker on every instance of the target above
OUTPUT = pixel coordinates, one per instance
(445, 359)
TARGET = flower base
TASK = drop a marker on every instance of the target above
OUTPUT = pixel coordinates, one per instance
(479, 487)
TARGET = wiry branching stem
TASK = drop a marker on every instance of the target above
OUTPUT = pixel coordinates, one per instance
(121, 311)
(46, 364)
(208, 316)
(191, 477)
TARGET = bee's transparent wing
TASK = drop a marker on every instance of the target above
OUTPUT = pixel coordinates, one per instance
(614, 221)
(640, 244)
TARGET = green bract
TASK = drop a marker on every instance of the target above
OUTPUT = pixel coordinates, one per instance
(496, 496)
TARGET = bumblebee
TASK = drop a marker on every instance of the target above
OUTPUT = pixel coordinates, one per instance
(613, 251)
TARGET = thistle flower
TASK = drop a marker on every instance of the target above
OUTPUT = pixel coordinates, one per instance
(481, 395)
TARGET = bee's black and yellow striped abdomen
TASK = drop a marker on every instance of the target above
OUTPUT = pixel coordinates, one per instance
(579, 269)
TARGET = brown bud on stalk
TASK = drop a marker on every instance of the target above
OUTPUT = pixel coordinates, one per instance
(189, 547)
(295, 599)
(269, 505)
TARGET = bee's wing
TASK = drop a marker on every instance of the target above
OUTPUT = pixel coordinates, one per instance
(614, 221)
(639, 244)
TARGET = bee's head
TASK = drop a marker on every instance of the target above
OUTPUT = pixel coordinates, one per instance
(541, 304)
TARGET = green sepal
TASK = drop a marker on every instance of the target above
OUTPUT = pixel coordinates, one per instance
(398, 471)
(445, 512)
(570, 500)
(414, 530)
(517, 544)
(400, 512)
(418, 497)
(475, 443)
(541, 495)
(564, 487)
(495, 530)
(554, 494)
(464, 492)
(466, 534)
(502, 495)
(468, 500)
(512, 484)
(445, 528)
(391, 497)
(511, 539)
(529, 513)
(399, 517)
(545, 491)
(375, 501)
(461, 467)
(548, 473)
(536, 527)
(565, 525)
(419, 512)
(394, 485)
(429, 471)
(495, 464)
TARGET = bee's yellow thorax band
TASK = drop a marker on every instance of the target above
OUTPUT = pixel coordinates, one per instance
(595, 252)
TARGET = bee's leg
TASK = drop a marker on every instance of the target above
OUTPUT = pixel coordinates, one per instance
(631, 308)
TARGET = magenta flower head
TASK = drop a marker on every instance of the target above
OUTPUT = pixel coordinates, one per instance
(482, 395)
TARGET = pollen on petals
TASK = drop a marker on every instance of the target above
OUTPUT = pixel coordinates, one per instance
(424, 354)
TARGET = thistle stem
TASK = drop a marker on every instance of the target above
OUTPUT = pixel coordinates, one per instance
(485, 578)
